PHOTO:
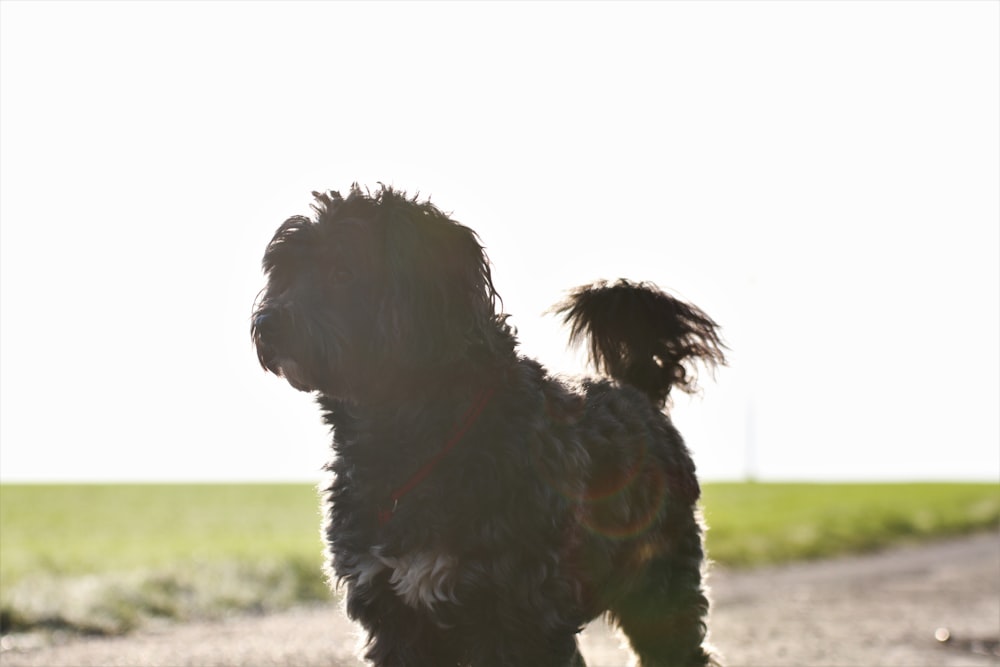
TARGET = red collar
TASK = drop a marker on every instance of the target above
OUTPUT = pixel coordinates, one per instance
(468, 419)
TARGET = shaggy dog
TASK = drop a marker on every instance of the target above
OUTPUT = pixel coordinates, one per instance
(482, 511)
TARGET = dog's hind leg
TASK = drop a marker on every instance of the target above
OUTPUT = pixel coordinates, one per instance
(664, 613)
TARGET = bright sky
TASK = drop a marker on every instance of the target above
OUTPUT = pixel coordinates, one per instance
(822, 178)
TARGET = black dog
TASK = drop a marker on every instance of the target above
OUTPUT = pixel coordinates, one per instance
(481, 511)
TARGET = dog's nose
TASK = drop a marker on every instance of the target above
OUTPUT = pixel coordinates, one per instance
(264, 325)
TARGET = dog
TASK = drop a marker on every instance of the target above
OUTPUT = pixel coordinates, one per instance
(481, 511)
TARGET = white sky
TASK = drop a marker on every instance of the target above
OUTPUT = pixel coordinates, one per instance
(822, 178)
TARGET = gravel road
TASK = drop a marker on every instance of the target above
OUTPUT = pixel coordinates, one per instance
(872, 610)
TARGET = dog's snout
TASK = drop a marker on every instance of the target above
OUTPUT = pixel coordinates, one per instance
(266, 337)
(269, 324)
(263, 322)
(266, 330)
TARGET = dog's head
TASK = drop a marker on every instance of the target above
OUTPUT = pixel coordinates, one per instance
(374, 290)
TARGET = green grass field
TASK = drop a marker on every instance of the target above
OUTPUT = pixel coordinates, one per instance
(754, 524)
(102, 558)
(83, 529)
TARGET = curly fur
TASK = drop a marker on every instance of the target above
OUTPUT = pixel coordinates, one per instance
(537, 505)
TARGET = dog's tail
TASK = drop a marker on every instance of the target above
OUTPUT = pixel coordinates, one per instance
(639, 335)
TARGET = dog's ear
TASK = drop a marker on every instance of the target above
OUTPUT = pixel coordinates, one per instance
(440, 298)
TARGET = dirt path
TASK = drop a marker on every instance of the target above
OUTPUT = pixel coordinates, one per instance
(874, 610)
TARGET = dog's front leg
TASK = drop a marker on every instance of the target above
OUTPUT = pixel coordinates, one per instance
(398, 635)
(522, 651)
(510, 641)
